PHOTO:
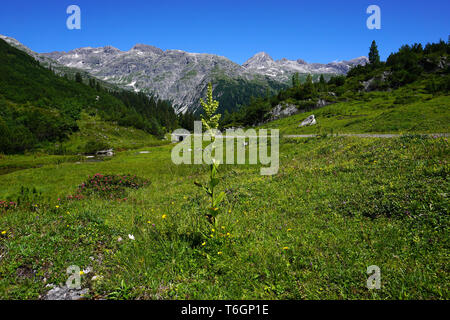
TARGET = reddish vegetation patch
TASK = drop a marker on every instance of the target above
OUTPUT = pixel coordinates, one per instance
(7, 205)
(108, 186)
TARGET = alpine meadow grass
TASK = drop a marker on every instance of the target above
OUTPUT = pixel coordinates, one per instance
(336, 206)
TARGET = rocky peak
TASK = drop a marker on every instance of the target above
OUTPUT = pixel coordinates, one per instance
(258, 60)
(147, 49)
(110, 49)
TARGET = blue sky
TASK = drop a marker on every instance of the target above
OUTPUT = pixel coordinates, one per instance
(316, 31)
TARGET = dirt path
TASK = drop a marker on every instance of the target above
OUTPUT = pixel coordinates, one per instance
(365, 135)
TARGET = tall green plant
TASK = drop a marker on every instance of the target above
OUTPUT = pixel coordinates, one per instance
(211, 121)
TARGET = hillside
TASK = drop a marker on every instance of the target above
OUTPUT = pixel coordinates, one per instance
(182, 77)
(38, 107)
(407, 93)
(407, 110)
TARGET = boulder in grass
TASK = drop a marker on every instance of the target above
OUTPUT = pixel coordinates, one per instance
(105, 153)
(310, 121)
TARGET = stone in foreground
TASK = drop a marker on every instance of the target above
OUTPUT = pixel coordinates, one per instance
(64, 293)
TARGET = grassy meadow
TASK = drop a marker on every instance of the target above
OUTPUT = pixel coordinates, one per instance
(336, 206)
(407, 110)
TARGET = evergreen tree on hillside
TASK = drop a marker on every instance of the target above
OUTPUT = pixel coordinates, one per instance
(78, 78)
(295, 80)
(374, 56)
(322, 83)
(308, 87)
(322, 79)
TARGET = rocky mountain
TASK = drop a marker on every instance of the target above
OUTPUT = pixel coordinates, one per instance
(262, 63)
(182, 77)
(172, 74)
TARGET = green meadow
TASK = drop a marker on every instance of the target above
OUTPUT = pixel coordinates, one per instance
(405, 111)
(336, 206)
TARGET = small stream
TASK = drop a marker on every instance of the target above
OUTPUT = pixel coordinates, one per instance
(7, 170)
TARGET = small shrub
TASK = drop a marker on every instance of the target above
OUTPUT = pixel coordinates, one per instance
(7, 205)
(108, 186)
(29, 197)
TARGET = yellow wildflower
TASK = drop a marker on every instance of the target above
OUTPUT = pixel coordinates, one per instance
(164, 216)
(285, 248)
(204, 243)
(3, 232)
(81, 272)
(220, 252)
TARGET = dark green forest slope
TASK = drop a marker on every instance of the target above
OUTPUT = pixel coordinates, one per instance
(38, 107)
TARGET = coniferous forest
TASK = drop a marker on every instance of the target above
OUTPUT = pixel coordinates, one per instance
(38, 106)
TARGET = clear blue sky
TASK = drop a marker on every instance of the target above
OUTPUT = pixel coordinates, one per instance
(313, 30)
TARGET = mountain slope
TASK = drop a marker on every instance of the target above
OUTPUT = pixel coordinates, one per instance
(37, 106)
(174, 75)
(182, 77)
(262, 63)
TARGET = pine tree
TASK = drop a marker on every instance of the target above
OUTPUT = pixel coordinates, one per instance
(308, 87)
(322, 79)
(295, 80)
(374, 56)
(78, 77)
(322, 83)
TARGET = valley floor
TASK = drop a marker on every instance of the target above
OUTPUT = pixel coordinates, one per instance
(337, 206)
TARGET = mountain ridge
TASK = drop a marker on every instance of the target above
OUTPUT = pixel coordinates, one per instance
(181, 77)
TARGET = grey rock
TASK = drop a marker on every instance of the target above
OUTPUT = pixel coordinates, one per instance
(105, 153)
(322, 103)
(311, 120)
(282, 111)
(64, 293)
